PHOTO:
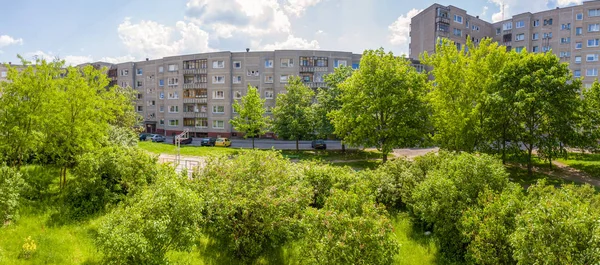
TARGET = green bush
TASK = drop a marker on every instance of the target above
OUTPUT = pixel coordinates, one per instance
(558, 226)
(11, 185)
(165, 216)
(38, 180)
(324, 177)
(254, 202)
(489, 224)
(106, 177)
(451, 187)
(349, 229)
(392, 183)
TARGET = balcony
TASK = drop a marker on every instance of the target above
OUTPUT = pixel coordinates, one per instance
(194, 71)
(315, 84)
(310, 69)
(195, 100)
(195, 115)
(443, 20)
(194, 85)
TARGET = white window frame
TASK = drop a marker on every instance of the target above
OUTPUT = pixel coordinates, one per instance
(535, 36)
(455, 31)
(268, 63)
(3, 74)
(174, 123)
(218, 64)
(173, 95)
(283, 78)
(139, 71)
(565, 40)
(578, 31)
(520, 37)
(268, 79)
(173, 81)
(578, 45)
(507, 26)
(594, 12)
(575, 73)
(595, 44)
(578, 59)
(139, 108)
(286, 62)
(124, 72)
(535, 49)
(161, 69)
(218, 79)
(341, 63)
(161, 108)
(218, 109)
(219, 94)
(519, 49)
(174, 109)
(237, 79)
(239, 63)
(173, 67)
(536, 23)
(161, 82)
(579, 16)
(593, 27)
(593, 73)
(269, 94)
(215, 124)
(458, 19)
(591, 57)
(520, 24)
(237, 94)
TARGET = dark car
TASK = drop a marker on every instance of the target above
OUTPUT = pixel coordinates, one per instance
(208, 141)
(184, 140)
(145, 136)
(318, 144)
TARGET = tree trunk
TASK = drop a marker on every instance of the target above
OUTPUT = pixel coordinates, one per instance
(385, 155)
(529, 162)
(252, 142)
(343, 148)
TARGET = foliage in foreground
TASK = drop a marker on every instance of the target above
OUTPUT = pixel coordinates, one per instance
(11, 186)
(166, 216)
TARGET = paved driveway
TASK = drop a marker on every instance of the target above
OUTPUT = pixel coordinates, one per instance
(269, 144)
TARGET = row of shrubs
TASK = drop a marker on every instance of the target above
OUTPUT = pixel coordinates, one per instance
(258, 201)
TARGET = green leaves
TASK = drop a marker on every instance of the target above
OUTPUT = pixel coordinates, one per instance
(251, 119)
(11, 186)
(292, 112)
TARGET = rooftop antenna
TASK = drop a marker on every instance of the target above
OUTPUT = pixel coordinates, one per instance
(502, 11)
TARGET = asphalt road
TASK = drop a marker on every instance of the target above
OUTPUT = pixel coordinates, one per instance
(269, 144)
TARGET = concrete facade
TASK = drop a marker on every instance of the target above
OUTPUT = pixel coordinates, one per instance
(565, 31)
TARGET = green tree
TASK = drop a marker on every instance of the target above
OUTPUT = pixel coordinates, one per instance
(588, 131)
(545, 105)
(251, 119)
(292, 112)
(328, 100)
(383, 104)
(166, 216)
(558, 226)
(11, 186)
(254, 202)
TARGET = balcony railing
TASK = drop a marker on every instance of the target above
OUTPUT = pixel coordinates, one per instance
(311, 69)
(195, 100)
(316, 84)
(195, 85)
(194, 71)
(444, 20)
(195, 115)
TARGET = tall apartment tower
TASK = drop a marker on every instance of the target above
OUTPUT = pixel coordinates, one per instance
(196, 92)
(571, 33)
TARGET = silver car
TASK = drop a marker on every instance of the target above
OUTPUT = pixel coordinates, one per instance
(157, 138)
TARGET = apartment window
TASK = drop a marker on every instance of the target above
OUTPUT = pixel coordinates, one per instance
(547, 22)
(548, 35)
(287, 62)
(591, 58)
(140, 108)
(218, 109)
(520, 37)
(458, 19)
(593, 27)
(565, 54)
(237, 64)
(579, 16)
(219, 94)
(161, 82)
(3, 74)
(161, 69)
(339, 63)
(498, 31)
(535, 36)
(593, 42)
(546, 48)
(151, 103)
(269, 79)
(283, 78)
(536, 22)
(565, 26)
(173, 67)
(578, 45)
(577, 73)
(173, 81)
(252, 73)
(173, 109)
(458, 46)
(507, 26)
(565, 40)
(519, 49)
(218, 64)
(161, 122)
(139, 71)
(173, 95)
(161, 108)
(457, 32)
(578, 31)
(591, 72)
(520, 24)
(237, 94)
(268, 63)
(139, 96)
(125, 72)
(268, 109)
(173, 122)
(139, 83)
(218, 79)
(475, 28)
(161, 95)
(577, 59)
(593, 12)
(237, 79)
(535, 49)
(269, 94)
(218, 125)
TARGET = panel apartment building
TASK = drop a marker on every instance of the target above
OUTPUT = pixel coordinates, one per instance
(572, 33)
(196, 92)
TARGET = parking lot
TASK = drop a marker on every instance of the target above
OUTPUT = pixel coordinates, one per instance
(269, 144)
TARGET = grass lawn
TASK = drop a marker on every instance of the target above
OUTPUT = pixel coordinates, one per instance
(330, 155)
(359, 165)
(520, 176)
(165, 148)
(589, 163)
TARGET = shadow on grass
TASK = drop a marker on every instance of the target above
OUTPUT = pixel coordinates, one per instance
(211, 251)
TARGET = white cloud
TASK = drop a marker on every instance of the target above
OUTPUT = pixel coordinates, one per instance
(120, 59)
(76, 60)
(399, 30)
(515, 7)
(297, 7)
(6, 40)
(151, 39)
(320, 32)
(484, 12)
(293, 43)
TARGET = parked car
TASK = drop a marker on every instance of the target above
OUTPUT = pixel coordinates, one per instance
(157, 138)
(318, 144)
(145, 136)
(184, 140)
(223, 142)
(209, 141)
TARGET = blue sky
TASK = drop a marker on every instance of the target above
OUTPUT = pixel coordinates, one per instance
(117, 31)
